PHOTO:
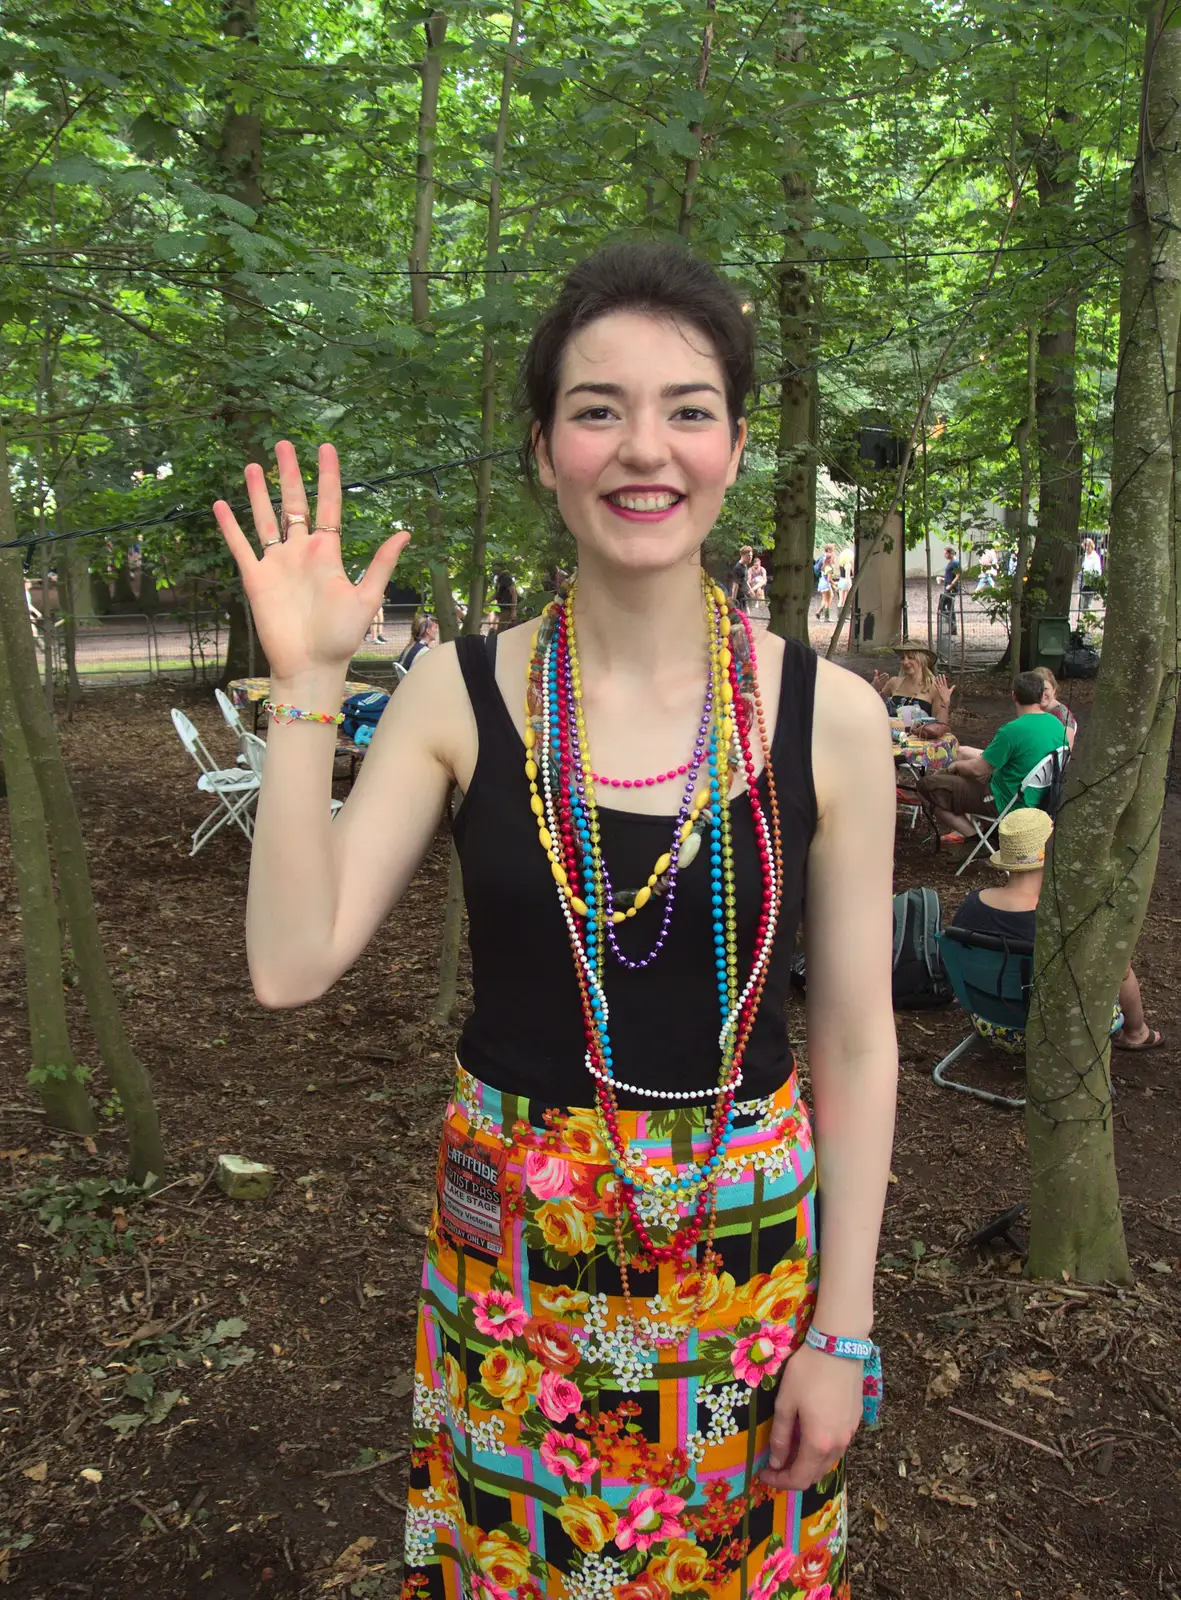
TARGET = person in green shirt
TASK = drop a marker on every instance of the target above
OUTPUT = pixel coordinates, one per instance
(987, 780)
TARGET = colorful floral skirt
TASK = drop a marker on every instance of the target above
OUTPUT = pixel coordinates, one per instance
(559, 1450)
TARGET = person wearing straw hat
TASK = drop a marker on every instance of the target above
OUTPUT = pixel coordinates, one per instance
(1010, 910)
(916, 683)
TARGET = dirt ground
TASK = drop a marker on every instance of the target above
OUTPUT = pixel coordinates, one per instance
(207, 1398)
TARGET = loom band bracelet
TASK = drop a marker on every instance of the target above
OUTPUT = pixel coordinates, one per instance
(283, 714)
(865, 1351)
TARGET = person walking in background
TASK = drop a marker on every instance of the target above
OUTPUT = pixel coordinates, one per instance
(505, 595)
(1091, 570)
(826, 584)
(844, 575)
(740, 578)
(951, 589)
(989, 567)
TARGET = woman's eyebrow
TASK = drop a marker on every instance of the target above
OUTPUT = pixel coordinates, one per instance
(671, 391)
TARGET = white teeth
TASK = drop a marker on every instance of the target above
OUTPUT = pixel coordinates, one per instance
(644, 502)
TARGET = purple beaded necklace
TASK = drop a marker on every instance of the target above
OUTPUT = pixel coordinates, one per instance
(694, 767)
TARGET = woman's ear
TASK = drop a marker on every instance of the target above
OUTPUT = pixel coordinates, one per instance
(541, 454)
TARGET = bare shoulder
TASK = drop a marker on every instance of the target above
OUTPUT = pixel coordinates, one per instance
(850, 732)
(431, 707)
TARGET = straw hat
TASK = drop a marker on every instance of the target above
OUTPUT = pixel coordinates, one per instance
(918, 650)
(1023, 835)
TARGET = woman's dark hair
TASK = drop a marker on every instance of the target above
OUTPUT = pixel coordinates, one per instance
(664, 280)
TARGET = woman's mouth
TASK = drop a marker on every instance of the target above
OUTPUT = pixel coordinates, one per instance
(643, 505)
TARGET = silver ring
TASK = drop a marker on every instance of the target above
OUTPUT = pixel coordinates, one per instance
(267, 543)
(326, 527)
(286, 518)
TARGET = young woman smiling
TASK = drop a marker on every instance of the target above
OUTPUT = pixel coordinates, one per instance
(640, 1357)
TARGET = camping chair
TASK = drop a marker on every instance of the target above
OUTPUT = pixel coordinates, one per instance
(254, 752)
(1045, 777)
(233, 721)
(234, 789)
(992, 977)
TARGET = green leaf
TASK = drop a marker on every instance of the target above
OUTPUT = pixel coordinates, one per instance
(126, 1422)
(139, 1385)
(228, 1328)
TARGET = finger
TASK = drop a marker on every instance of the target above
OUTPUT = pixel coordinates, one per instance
(265, 525)
(372, 586)
(328, 495)
(785, 1435)
(292, 495)
(240, 547)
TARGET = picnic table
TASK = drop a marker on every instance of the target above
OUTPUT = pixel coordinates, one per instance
(924, 755)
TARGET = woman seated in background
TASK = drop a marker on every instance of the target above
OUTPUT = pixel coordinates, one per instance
(1052, 704)
(424, 632)
(1010, 911)
(916, 684)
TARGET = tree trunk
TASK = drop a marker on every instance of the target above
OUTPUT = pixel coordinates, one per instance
(242, 652)
(65, 578)
(478, 582)
(147, 587)
(1024, 435)
(790, 586)
(435, 29)
(1060, 491)
(693, 164)
(1101, 870)
(55, 1073)
(146, 1148)
(125, 595)
(424, 186)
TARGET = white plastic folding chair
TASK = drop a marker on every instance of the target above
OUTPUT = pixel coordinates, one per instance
(254, 752)
(1042, 778)
(234, 789)
(233, 721)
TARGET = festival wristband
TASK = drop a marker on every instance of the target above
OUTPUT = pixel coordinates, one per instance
(863, 1350)
(294, 714)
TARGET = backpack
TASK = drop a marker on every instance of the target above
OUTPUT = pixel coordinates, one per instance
(919, 979)
(363, 711)
(817, 568)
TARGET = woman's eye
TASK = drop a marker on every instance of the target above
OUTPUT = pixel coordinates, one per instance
(594, 414)
(694, 414)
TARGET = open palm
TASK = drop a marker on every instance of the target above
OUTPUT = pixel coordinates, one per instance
(308, 613)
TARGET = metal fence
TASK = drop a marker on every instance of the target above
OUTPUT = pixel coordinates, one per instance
(180, 647)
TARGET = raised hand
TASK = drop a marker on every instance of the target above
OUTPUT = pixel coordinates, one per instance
(880, 680)
(308, 613)
(945, 689)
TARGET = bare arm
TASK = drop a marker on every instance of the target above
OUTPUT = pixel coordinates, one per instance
(971, 766)
(852, 1050)
(319, 889)
(853, 1059)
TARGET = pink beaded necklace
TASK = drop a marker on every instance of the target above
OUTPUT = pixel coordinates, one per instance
(641, 783)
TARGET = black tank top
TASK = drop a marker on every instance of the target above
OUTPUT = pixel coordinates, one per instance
(525, 1035)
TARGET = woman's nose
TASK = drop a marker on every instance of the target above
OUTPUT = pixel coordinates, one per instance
(644, 444)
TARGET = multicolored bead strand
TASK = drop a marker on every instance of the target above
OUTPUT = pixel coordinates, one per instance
(569, 833)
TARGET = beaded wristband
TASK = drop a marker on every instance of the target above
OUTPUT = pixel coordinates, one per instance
(863, 1350)
(294, 714)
